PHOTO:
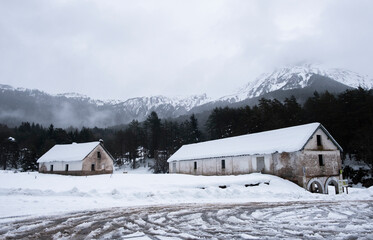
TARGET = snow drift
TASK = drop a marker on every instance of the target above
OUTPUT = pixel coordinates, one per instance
(26, 194)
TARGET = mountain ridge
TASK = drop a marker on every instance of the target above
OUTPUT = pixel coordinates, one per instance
(21, 104)
(296, 76)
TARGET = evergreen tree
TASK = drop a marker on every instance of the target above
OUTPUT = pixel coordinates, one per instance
(9, 153)
(362, 145)
(132, 137)
(171, 136)
(153, 132)
(194, 133)
(28, 160)
(118, 146)
(86, 135)
(293, 112)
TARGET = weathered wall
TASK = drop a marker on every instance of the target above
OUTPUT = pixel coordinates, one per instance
(310, 160)
(79, 173)
(60, 166)
(105, 163)
(286, 165)
(327, 144)
(302, 166)
(213, 166)
(299, 167)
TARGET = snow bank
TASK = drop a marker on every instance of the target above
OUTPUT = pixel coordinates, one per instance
(26, 194)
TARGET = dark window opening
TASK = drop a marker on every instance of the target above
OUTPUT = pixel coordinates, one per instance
(223, 164)
(315, 187)
(260, 165)
(67, 167)
(93, 167)
(318, 140)
(51, 168)
(321, 160)
(98, 155)
(195, 165)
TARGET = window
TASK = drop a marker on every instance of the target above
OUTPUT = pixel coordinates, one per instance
(321, 160)
(223, 164)
(99, 155)
(51, 168)
(195, 165)
(318, 140)
(92, 167)
(67, 167)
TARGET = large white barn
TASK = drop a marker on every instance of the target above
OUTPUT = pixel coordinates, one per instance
(307, 155)
(77, 159)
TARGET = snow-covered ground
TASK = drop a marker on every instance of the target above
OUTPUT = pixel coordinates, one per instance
(288, 220)
(35, 194)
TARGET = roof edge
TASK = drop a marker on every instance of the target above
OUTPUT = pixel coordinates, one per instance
(317, 126)
(327, 133)
(65, 144)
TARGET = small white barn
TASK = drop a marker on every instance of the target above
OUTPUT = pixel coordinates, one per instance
(77, 159)
(307, 155)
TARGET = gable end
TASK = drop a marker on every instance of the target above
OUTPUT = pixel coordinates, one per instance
(327, 134)
(106, 151)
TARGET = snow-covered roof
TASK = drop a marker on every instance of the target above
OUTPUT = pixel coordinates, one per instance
(281, 140)
(68, 152)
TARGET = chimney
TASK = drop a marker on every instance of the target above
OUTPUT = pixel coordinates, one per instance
(101, 142)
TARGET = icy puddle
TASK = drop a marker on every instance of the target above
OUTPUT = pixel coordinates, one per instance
(291, 220)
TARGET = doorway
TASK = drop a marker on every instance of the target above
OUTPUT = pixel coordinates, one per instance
(260, 164)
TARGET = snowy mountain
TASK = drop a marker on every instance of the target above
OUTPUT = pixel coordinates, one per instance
(19, 104)
(296, 77)
(149, 103)
(145, 105)
(139, 108)
(72, 109)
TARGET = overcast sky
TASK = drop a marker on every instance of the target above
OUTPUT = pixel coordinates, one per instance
(122, 49)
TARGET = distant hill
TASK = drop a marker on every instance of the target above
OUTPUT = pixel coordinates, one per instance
(64, 110)
(71, 109)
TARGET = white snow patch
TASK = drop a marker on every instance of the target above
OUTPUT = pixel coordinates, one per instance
(281, 140)
(68, 152)
(32, 194)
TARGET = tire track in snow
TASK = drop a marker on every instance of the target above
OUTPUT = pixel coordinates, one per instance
(291, 220)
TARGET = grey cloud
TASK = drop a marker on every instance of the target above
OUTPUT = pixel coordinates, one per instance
(123, 49)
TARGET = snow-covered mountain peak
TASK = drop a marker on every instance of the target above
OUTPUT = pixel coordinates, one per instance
(151, 102)
(177, 102)
(72, 95)
(20, 89)
(297, 76)
(6, 87)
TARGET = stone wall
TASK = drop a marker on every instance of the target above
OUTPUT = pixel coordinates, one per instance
(78, 173)
(103, 163)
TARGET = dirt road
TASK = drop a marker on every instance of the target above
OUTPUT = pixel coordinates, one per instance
(297, 220)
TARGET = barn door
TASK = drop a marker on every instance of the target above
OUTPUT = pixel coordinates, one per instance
(260, 164)
(174, 167)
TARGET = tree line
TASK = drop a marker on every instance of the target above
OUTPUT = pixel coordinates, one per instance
(348, 116)
(20, 147)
